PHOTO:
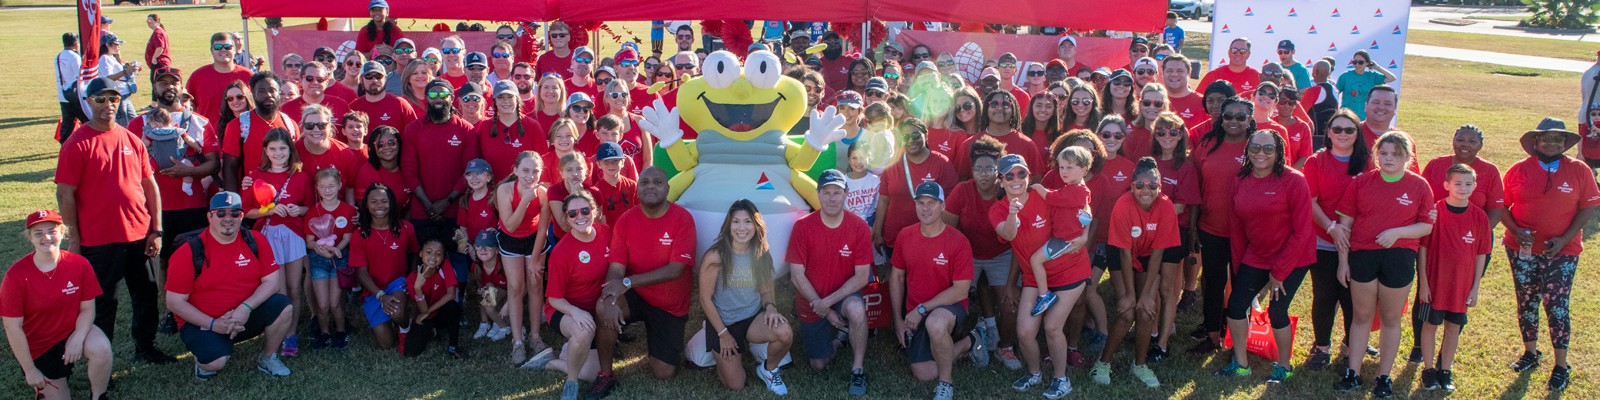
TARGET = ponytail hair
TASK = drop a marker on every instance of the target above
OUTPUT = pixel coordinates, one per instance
(1147, 166)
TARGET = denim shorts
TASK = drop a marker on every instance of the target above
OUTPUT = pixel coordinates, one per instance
(323, 268)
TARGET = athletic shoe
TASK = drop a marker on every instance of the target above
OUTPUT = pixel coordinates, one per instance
(1559, 377)
(858, 383)
(1430, 379)
(152, 355)
(1097, 340)
(979, 354)
(603, 383)
(1101, 373)
(1279, 374)
(569, 390)
(1045, 301)
(1233, 369)
(1446, 382)
(272, 365)
(1318, 359)
(1027, 381)
(341, 340)
(1008, 357)
(1205, 347)
(169, 325)
(1383, 387)
(322, 341)
(1145, 375)
(291, 346)
(1199, 333)
(1351, 382)
(1186, 301)
(1372, 351)
(1527, 362)
(1076, 359)
(498, 333)
(1058, 388)
(1155, 354)
(1054, 248)
(994, 334)
(773, 379)
(539, 360)
(454, 353)
(945, 391)
(519, 353)
(201, 375)
(483, 330)
(1415, 357)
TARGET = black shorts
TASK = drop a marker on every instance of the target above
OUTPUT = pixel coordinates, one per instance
(49, 363)
(663, 330)
(512, 246)
(1069, 286)
(920, 347)
(555, 322)
(1439, 317)
(1106, 257)
(1393, 268)
(209, 346)
(1176, 255)
(1171, 255)
(740, 331)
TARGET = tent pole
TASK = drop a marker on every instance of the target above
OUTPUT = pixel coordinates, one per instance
(245, 23)
(866, 31)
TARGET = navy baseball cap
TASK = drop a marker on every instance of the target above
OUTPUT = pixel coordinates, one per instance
(477, 165)
(469, 88)
(476, 58)
(609, 151)
(487, 238)
(504, 87)
(1139, 41)
(930, 189)
(831, 177)
(878, 83)
(1010, 161)
(226, 201)
(1286, 44)
(99, 85)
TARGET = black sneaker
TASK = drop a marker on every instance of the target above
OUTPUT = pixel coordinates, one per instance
(1383, 387)
(1205, 347)
(341, 340)
(1430, 379)
(152, 355)
(1446, 382)
(1319, 359)
(858, 383)
(1527, 362)
(169, 325)
(603, 383)
(1199, 333)
(1559, 377)
(1351, 382)
(1415, 357)
(1372, 351)
(1155, 354)
(1186, 301)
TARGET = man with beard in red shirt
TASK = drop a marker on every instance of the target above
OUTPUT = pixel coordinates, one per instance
(382, 107)
(449, 143)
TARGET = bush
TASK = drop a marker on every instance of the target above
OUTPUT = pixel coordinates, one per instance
(1562, 14)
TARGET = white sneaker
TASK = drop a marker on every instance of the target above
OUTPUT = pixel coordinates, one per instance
(773, 379)
(272, 365)
(538, 361)
(483, 330)
(499, 333)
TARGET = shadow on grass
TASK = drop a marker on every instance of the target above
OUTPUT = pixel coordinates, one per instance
(1519, 388)
(28, 158)
(23, 122)
(40, 176)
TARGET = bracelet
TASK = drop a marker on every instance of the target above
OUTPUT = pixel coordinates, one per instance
(212, 325)
(724, 330)
(247, 306)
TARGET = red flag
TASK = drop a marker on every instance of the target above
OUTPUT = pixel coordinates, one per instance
(89, 37)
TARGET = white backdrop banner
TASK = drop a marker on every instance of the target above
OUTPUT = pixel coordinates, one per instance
(1318, 28)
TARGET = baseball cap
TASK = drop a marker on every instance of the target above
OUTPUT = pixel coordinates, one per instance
(373, 66)
(989, 72)
(106, 20)
(477, 166)
(168, 70)
(1139, 41)
(1120, 73)
(100, 85)
(799, 33)
(110, 38)
(1055, 63)
(505, 87)
(756, 47)
(608, 151)
(476, 58)
(469, 88)
(439, 83)
(1012, 161)
(847, 98)
(1145, 62)
(577, 97)
(1102, 71)
(42, 216)
(877, 83)
(1066, 39)
(930, 189)
(627, 54)
(487, 238)
(413, 43)
(831, 177)
(927, 65)
(226, 201)
(432, 51)
(582, 50)
(323, 50)
(1286, 44)
(377, 4)
(606, 70)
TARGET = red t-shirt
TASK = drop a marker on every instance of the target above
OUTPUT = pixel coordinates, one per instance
(1490, 192)
(551, 174)
(365, 43)
(321, 222)
(479, 214)
(338, 156)
(830, 255)
(231, 274)
(1137, 143)
(1590, 147)
(1272, 224)
(1142, 231)
(293, 188)
(397, 183)
(549, 62)
(1547, 202)
(1243, 81)
(158, 40)
(1218, 173)
(435, 288)
(577, 269)
(47, 302)
(1372, 136)
(383, 253)
(1114, 179)
(1035, 230)
(1453, 249)
(248, 146)
(337, 104)
(1328, 178)
(209, 86)
(499, 144)
(932, 264)
(1297, 141)
(495, 278)
(1023, 100)
(391, 110)
(643, 244)
(436, 156)
(1180, 182)
(1191, 108)
(560, 192)
(968, 204)
(836, 71)
(108, 168)
(615, 199)
(593, 90)
(1378, 205)
(172, 195)
(1016, 143)
(900, 210)
(945, 141)
(339, 91)
(640, 97)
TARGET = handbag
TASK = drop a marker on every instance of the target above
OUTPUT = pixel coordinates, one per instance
(876, 297)
(1261, 340)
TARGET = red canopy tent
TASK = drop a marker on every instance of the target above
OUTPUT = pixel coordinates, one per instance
(482, 10)
(1121, 15)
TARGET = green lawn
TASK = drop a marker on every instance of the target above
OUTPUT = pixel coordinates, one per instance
(1507, 18)
(1555, 48)
(1440, 95)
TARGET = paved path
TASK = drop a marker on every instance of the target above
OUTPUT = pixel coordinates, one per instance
(1513, 60)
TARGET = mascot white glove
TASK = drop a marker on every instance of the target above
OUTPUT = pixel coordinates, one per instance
(662, 123)
(827, 127)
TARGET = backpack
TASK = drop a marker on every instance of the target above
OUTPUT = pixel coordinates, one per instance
(197, 246)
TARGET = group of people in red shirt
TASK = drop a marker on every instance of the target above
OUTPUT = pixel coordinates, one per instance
(273, 208)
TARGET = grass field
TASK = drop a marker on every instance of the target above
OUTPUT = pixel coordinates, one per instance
(1439, 95)
(1555, 48)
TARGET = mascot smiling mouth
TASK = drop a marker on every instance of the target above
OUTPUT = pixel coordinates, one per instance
(741, 117)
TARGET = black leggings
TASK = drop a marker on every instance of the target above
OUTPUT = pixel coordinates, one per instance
(446, 322)
(1327, 293)
(1248, 281)
(1216, 258)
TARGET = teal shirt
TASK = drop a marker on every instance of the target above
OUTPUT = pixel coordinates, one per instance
(1302, 76)
(1353, 89)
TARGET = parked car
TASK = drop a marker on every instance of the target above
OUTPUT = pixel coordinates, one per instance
(1193, 9)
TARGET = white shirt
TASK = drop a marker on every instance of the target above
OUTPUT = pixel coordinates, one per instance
(861, 198)
(69, 68)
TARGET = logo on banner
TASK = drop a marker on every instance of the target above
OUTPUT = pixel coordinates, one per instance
(1292, 13)
(1374, 45)
(1225, 29)
(1392, 65)
(1312, 31)
(1249, 12)
(1377, 12)
(1396, 30)
(763, 183)
(1269, 29)
(1355, 30)
(1332, 48)
(1335, 13)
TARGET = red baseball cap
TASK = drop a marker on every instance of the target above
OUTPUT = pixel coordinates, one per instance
(42, 216)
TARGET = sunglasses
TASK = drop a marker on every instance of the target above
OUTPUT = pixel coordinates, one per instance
(1236, 117)
(891, 76)
(228, 213)
(1113, 135)
(221, 46)
(386, 61)
(1146, 185)
(1015, 175)
(663, 74)
(1358, 62)
(1153, 103)
(577, 212)
(405, 50)
(920, 55)
(372, 77)
(627, 63)
(109, 98)
(1144, 72)
(1122, 82)
(580, 109)
(324, 59)
(386, 143)
(947, 63)
(430, 59)
(682, 66)
(505, 36)
(1237, 50)
(1168, 132)
(1272, 73)
(1035, 73)
(236, 98)
(471, 98)
(685, 36)
(1007, 65)
(438, 95)
(651, 65)
(1263, 148)
(1081, 102)
(450, 50)
(617, 95)
(582, 60)
(521, 76)
(314, 126)
(500, 55)
(558, 35)
(1000, 104)
(1266, 94)
(314, 79)
(1342, 131)
(603, 82)
(351, 63)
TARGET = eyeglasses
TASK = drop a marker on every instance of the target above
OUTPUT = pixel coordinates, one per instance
(582, 60)
(1035, 73)
(221, 46)
(617, 95)
(314, 79)
(1015, 175)
(1237, 50)
(1081, 102)
(891, 76)
(109, 98)
(554, 35)
(450, 50)
(1358, 62)
(236, 98)
(471, 98)
(1168, 132)
(1153, 103)
(500, 55)
(1112, 135)
(627, 63)
(430, 59)
(577, 212)
(1342, 130)
(1144, 72)
(580, 109)
(314, 126)
(1146, 185)
(405, 50)
(1263, 148)
(1122, 82)
(682, 66)
(1236, 117)
(228, 213)
(438, 95)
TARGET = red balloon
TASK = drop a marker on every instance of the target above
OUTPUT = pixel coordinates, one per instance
(263, 193)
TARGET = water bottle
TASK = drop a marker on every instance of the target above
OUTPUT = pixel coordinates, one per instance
(1525, 247)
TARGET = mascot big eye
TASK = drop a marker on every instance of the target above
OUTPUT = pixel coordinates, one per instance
(742, 112)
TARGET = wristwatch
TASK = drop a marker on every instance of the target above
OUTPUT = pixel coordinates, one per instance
(922, 310)
(627, 283)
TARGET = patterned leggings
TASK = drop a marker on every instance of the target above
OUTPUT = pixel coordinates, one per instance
(1547, 280)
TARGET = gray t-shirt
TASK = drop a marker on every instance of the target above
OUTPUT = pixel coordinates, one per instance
(737, 298)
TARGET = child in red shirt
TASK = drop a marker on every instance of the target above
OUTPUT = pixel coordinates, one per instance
(491, 287)
(1459, 248)
(433, 293)
(614, 191)
(328, 226)
(1068, 204)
